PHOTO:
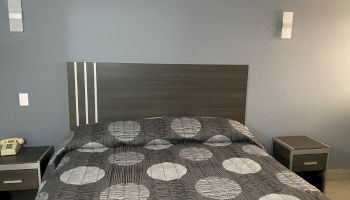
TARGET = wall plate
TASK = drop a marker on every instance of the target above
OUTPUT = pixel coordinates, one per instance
(15, 15)
(287, 25)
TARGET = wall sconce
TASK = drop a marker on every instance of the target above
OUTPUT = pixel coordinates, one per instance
(287, 25)
(15, 15)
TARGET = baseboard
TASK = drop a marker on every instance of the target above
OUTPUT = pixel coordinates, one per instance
(339, 174)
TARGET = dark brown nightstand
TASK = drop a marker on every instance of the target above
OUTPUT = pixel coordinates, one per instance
(20, 175)
(305, 156)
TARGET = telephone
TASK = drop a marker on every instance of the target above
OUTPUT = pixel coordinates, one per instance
(11, 146)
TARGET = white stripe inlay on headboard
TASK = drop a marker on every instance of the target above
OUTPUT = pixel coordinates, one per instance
(76, 93)
(95, 90)
(86, 95)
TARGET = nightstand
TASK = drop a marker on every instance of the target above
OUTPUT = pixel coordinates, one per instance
(20, 175)
(305, 156)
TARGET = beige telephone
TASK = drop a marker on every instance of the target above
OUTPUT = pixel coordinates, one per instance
(11, 146)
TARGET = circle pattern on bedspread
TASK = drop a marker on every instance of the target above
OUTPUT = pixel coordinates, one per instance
(218, 141)
(128, 191)
(218, 188)
(186, 127)
(124, 130)
(292, 180)
(241, 165)
(166, 171)
(82, 175)
(278, 197)
(92, 150)
(42, 196)
(240, 128)
(92, 147)
(126, 158)
(253, 149)
(195, 154)
(158, 144)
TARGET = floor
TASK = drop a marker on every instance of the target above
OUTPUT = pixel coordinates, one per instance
(338, 189)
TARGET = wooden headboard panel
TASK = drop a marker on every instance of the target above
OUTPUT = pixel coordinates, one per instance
(101, 92)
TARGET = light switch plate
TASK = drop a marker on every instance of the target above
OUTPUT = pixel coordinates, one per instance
(287, 25)
(23, 99)
(15, 15)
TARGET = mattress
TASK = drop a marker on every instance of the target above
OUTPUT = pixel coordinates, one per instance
(169, 158)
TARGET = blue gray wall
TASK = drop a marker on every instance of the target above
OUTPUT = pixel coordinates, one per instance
(298, 86)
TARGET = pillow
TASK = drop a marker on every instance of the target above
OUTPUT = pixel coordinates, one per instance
(160, 130)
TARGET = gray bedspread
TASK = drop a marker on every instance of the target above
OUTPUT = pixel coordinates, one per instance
(169, 158)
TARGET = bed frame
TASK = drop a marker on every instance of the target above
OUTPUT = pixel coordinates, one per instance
(100, 92)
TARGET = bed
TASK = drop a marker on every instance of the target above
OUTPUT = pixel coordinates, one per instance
(208, 155)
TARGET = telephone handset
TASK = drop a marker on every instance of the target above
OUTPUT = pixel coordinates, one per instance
(11, 146)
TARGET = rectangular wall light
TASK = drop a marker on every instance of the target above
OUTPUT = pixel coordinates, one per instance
(15, 15)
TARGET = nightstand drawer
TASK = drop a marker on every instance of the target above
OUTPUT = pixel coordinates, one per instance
(11, 180)
(309, 162)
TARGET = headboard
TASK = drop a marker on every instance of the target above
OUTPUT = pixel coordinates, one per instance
(100, 92)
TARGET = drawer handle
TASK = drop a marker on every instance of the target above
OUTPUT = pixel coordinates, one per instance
(13, 181)
(310, 163)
